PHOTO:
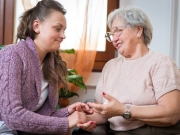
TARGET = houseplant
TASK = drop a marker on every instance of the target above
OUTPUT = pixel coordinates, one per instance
(74, 79)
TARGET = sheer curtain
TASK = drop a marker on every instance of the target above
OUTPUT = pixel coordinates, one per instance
(84, 23)
(83, 34)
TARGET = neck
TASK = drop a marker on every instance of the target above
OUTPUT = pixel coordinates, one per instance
(139, 52)
(40, 51)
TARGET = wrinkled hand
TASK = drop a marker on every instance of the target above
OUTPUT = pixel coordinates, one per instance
(111, 109)
(81, 107)
(77, 118)
(88, 126)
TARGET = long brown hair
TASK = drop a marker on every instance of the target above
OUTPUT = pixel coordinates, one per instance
(42, 10)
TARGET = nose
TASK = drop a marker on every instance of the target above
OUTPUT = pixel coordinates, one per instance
(115, 39)
(62, 35)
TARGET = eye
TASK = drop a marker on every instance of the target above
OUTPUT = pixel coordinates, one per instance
(57, 29)
(119, 29)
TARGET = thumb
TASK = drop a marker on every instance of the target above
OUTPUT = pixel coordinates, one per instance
(78, 108)
(107, 96)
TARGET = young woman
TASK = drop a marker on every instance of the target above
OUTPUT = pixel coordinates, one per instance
(31, 71)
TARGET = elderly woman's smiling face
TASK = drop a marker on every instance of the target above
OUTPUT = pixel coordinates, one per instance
(125, 38)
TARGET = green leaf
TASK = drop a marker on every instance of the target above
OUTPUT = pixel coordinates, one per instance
(68, 51)
(1, 46)
(63, 93)
(76, 80)
(58, 107)
(72, 72)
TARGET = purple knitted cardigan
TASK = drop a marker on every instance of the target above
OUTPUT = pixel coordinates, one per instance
(20, 89)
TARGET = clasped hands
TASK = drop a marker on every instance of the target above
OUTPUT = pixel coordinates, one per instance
(112, 108)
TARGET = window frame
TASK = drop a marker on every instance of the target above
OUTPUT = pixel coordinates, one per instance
(109, 53)
(7, 8)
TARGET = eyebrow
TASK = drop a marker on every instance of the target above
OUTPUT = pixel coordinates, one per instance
(60, 24)
(118, 26)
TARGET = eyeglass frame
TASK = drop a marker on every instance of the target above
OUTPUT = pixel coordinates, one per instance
(109, 34)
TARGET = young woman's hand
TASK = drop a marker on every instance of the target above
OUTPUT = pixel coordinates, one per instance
(77, 118)
(81, 107)
(88, 126)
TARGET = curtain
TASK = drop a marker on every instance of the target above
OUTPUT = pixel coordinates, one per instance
(87, 26)
(82, 33)
(27, 4)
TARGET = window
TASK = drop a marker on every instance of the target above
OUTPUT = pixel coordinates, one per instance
(6, 21)
(109, 53)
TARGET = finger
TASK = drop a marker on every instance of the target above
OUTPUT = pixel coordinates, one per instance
(89, 112)
(85, 106)
(78, 108)
(107, 96)
(79, 125)
(98, 107)
(89, 126)
(92, 127)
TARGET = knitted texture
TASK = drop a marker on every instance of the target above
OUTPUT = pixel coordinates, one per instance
(138, 82)
(20, 89)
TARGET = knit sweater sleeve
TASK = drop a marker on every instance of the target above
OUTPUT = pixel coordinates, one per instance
(63, 112)
(165, 76)
(11, 109)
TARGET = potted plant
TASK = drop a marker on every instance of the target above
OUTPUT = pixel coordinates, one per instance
(74, 79)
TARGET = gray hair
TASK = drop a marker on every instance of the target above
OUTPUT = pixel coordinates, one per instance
(132, 17)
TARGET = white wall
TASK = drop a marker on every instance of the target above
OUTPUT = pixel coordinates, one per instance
(165, 18)
(91, 85)
(158, 12)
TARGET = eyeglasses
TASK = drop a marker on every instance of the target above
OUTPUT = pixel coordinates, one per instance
(117, 32)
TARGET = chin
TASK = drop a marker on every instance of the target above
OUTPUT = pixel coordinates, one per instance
(120, 52)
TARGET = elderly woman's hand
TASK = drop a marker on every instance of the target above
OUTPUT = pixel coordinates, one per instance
(112, 108)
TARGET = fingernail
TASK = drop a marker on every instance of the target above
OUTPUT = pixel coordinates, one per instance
(91, 122)
(104, 93)
(94, 126)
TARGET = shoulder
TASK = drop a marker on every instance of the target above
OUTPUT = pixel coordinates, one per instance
(162, 64)
(112, 65)
(113, 62)
(14, 48)
(158, 59)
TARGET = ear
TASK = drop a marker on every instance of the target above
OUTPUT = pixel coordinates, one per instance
(139, 31)
(36, 24)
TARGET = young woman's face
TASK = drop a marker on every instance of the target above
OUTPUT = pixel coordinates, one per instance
(125, 38)
(50, 33)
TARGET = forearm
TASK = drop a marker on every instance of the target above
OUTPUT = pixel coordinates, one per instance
(99, 119)
(165, 113)
(155, 115)
(61, 112)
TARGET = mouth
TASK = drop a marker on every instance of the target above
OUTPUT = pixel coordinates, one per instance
(58, 41)
(118, 46)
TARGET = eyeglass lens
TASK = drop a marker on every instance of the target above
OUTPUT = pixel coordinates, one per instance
(109, 36)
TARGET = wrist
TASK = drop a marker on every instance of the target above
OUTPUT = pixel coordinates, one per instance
(127, 112)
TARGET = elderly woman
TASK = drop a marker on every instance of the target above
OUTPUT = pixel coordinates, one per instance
(139, 91)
